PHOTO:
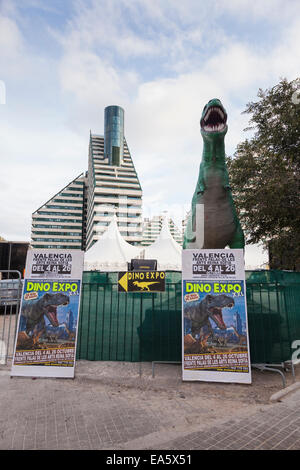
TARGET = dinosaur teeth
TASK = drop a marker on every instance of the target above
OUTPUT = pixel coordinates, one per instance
(212, 128)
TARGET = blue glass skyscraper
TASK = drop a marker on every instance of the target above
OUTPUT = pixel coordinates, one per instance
(114, 134)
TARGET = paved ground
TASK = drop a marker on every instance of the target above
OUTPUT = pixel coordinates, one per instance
(112, 406)
(276, 428)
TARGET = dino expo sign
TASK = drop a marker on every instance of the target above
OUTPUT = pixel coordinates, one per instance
(141, 281)
(214, 316)
(46, 338)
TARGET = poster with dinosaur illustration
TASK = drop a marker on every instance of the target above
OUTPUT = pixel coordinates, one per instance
(214, 316)
(46, 336)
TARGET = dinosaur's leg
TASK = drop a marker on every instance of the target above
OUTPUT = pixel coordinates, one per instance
(226, 183)
(238, 240)
(211, 331)
(29, 327)
(189, 235)
(41, 328)
(195, 330)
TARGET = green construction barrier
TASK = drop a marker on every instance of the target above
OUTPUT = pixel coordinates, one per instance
(133, 327)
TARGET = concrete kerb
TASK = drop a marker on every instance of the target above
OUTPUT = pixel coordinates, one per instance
(279, 396)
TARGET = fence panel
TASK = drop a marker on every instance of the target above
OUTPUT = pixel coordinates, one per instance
(273, 314)
(10, 296)
(118, 326)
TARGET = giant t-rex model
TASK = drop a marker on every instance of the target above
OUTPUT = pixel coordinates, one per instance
(220, 226)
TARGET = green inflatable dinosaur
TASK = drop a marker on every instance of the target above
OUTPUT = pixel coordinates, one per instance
(213, 221)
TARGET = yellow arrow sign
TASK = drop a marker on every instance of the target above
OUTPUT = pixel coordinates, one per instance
(124, 282)
(141, 281)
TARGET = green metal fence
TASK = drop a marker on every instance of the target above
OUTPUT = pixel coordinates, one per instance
(137, 327)
(273, 305)
(119, 326)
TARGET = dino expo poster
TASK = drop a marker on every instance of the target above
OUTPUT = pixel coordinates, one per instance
(45, 344)
(214, 320)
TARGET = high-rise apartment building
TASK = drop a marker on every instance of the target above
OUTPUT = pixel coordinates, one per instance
(59, 223)
(78, 215)
(184, 223)
(152, 228)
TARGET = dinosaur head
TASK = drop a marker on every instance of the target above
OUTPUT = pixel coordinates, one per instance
(213, 122)
(50, 304)
(215, 304)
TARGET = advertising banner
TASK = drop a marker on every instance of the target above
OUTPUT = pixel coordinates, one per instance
(46, 337)
(214, 316)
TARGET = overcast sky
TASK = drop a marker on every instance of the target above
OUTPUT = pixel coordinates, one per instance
(62, 62)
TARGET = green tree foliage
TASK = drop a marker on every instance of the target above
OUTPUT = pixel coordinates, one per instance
(265, 170)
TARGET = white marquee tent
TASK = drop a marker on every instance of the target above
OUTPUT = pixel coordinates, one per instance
(111, 252)
(165, 250)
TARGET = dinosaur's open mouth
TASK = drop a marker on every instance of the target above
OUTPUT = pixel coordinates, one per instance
(214, 120)
(216, 315)
(52, 315)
